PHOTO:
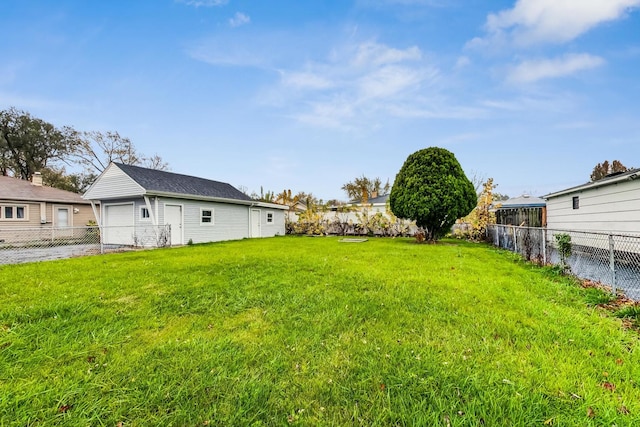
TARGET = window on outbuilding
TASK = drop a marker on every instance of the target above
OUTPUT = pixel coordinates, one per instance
(576, 202)
(206, 216)
(269, 217)
(144, 213)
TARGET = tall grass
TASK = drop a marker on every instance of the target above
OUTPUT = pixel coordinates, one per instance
(309, 331)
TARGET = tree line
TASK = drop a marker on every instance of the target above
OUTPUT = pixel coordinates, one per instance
(29, 144)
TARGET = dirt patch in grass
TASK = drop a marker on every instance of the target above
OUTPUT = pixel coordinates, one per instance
(619, 305)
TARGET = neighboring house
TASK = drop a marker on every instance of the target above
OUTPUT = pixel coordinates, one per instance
(609, 205)
(199, 210)
(372, 217)
(355, 209)
(374, 204)
(293, 210)
(524, 211)
(29, 204)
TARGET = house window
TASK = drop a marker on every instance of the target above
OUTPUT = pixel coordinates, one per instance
(269, 217)
(13, 213)
(206, 216)
(144, 214)
(576, 202)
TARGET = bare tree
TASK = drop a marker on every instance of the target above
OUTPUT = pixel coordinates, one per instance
(155, 162)
(478, 180)
(97, 149)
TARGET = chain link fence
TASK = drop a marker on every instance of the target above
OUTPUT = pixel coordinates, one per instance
(611, 259)
(19, 245)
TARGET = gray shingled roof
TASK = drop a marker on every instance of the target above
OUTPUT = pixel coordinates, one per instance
(167, 182)
(523, 201)
(21, 190)
(373, 200)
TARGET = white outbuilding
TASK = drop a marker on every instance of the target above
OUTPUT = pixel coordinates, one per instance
(135, 202)
(610, 205)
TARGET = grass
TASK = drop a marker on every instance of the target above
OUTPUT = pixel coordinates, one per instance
(301, 331)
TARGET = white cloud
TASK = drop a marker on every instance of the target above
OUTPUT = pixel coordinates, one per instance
(554, 101)
(239, 19)
(374, 54)
(354, 84)
(215, 52)
(348, 89)
(428, 3)
(435, 109)
(391, 80)
(551, 21)
(462, 62)
(574, 125)
(205, 3)
(534, 70)
(333, 114)
(306, 80)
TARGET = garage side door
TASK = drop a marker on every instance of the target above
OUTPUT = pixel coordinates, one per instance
(118, 225)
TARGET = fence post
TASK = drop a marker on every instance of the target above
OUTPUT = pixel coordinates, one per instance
(544, 245)
(612, 263)
(515, 238)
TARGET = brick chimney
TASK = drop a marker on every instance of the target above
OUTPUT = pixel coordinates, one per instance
(36, 179)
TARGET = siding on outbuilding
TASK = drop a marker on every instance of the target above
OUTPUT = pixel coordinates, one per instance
(113, 181)
(229, 221)
(611, 206)
(163, 193)
(276, 228)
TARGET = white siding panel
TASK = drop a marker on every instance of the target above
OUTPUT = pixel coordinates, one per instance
(610, 209)
(231, 222)
(276, 228)
(140, 222)
(113, 183)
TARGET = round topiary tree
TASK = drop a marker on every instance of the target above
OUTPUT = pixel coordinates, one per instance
(432, 189)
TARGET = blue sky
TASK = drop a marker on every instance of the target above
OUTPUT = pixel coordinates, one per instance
(308, 95)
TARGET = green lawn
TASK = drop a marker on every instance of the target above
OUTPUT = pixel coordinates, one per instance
(309, 331)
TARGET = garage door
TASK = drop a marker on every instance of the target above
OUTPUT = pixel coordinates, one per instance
(118, 228)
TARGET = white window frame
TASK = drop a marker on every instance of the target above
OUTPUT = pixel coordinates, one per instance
(14, 208)
(270, 217)
(202, 210)
(142, 217)
(69, 210)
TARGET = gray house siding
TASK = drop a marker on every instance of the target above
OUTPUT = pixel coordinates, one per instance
(178, 200)
(612, 208)
(275, 228)
(229, 221)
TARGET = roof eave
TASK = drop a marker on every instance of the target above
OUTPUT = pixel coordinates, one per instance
(198, 197)
(48, 200)
(631, 175)
(271, 205)
(536, 205)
